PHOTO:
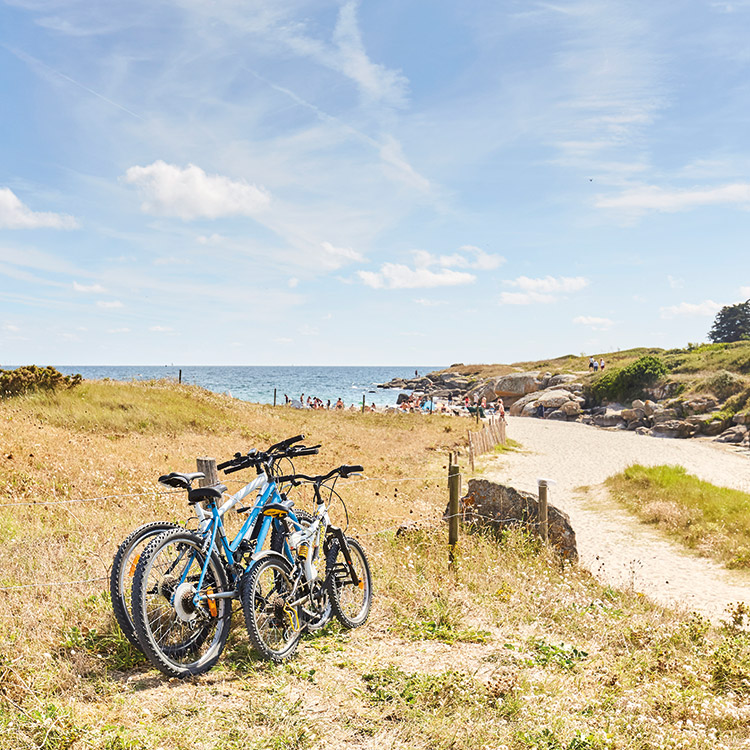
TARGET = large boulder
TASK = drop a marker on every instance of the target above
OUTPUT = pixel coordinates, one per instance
(673, 428)
(497, 506)
(554, 398)
(707, 424)
(518, 407)
(517, 384)
(610, 418)
(561, 379)
(454, 380)
(571, 409)
(734, 434)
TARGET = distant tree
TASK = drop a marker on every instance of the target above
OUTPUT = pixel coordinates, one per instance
(732, 323)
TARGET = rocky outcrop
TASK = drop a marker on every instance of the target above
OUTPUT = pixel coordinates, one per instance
(496, 506)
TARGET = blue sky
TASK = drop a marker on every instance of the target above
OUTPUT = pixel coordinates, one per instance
(386, 182)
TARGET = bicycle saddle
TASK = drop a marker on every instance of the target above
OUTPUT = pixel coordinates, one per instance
(183, 481)
(199, 494)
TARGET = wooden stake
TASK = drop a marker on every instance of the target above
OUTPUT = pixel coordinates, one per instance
(453, 484)
(208, 467)
(543, 520)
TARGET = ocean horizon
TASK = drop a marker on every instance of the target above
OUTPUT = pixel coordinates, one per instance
(256, 383)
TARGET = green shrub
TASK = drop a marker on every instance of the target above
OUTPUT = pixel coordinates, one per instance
(724, 384)
(32, 378)
(628, 382)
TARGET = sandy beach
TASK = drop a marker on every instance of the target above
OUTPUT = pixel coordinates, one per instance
(612, 544)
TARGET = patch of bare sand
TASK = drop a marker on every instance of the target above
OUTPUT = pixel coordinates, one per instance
(613, 545)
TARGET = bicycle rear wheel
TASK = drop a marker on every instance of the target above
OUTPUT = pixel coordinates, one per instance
(350, 602)
(179, 637)
(123, 569)
(273, 620)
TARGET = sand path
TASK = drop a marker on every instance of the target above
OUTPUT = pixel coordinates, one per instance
(611, 543)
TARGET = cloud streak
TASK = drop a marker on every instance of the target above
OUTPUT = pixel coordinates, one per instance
(701, 309)
(653, 198)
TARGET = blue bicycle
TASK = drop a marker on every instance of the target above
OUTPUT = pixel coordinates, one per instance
(185, 581)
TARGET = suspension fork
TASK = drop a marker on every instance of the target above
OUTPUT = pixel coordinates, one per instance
(344, 546)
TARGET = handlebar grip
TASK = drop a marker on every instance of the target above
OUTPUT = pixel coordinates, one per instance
(232, 469)
(286, 443)
(231, 462)
(347, 470)
(312, 451)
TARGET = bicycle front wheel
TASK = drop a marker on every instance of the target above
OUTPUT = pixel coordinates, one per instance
(179, 637)
(273, 619)
(123, 569)
(350, 602)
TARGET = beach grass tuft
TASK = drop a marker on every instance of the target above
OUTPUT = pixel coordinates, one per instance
(714, 521)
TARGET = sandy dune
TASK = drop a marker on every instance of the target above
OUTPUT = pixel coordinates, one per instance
(614, 546)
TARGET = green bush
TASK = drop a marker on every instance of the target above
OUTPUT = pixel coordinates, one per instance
(32, 378)
(628, 382)
(724, 384)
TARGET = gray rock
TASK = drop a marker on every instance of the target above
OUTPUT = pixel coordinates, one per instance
(674, 428)
(557, 414)
(518, 406)
(517, 384)
(665, 415)
(638, 404)
(608, 419)
(741, 418)
(733, 434)
(529, 409)
(554, 398)
(571, 409)
(496, 506)
(700, 405)
(633, 415)
(642, 431)
(561, 379)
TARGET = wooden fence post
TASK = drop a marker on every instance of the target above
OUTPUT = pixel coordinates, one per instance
(453, 485)
(543, 525)
(471, 452)
(363, 403)
(274, 397)
(179, 377)
(208, 467)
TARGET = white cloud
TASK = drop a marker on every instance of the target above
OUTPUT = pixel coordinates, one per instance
(11, 328)
(213, 239)
(283, 340)
(430, 302)
(597, 324)
(398, 276)
(90, 289)
(745, 291)
(652, 198)
(308, 330)
(334, 257)
(675, 283)
(118, 330)
(16, 215)
(109, 305)
(160, 329)
(171, 260)
(706, 308)
(541, 291)
(293, 283)
(190, 193)
(481, 260)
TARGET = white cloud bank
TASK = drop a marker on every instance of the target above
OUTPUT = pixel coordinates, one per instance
(190, 193)
(15, 215)
(431, 271)
(89, 289)
(652, 198)
(706, 308)
(541, 291)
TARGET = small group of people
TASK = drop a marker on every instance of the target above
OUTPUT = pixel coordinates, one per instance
(596, 365)
(313, 402)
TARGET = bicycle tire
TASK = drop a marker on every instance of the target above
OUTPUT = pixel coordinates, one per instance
(123, 570)
(351, 609)
(177, 637)
(274, 629)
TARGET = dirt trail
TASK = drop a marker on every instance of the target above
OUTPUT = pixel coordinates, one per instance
(611, 543)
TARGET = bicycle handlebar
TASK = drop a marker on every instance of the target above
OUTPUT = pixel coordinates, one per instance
(343, 471)
(286, 443)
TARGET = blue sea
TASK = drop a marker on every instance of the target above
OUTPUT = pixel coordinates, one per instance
(257, 383)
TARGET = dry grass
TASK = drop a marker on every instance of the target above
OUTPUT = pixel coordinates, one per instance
(512, 650)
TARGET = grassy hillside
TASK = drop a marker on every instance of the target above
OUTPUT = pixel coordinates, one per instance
(512, 650)
(703, 358)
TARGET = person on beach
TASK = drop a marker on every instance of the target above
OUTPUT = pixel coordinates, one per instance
(339, 404)
(596, 366)
(601, 364)
(500, 408)
(591, 363)
(328, 405)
